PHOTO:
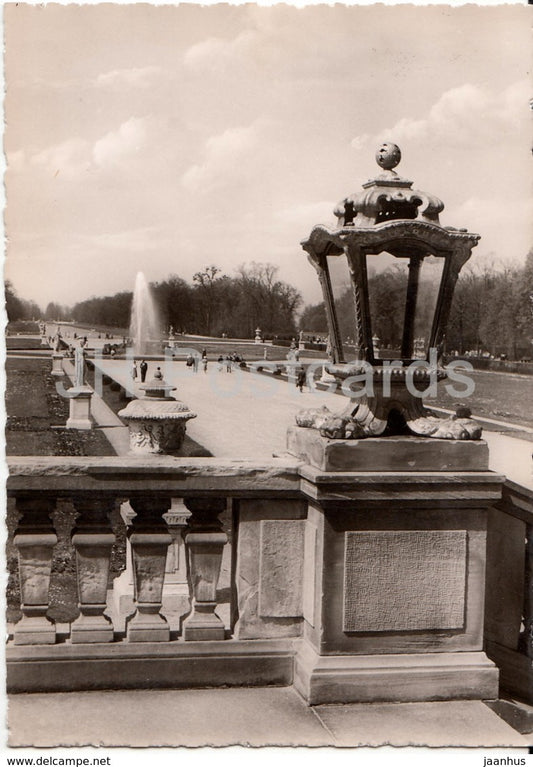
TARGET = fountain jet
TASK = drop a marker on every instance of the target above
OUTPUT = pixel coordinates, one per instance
(144, 323)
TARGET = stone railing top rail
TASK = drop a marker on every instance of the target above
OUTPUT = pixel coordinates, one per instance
(165, 474)
(240, 478)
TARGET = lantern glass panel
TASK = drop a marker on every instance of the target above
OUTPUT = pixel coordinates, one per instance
(343, 299)
(387, 289)
(430, 277)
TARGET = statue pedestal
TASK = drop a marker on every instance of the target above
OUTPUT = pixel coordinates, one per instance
(57, 364)
(176, 600)
(80, 408)
(394, 569)
(301, 345)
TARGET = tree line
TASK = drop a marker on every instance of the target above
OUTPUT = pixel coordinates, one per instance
(492, 310)
(212, 304)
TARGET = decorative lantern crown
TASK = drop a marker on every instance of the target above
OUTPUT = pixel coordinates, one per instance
(388, 197)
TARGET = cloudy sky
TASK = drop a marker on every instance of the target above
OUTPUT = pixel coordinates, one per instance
(164, 139)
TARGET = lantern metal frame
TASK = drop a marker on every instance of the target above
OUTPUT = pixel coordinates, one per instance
(389, 216)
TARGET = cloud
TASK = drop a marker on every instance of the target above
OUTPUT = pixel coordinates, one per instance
(116, 145)
(215, 52)
(202, 55)
(68, 158)
(224, 157)
(76, 155)
(504, 226)
(463, 115)
(136, 77)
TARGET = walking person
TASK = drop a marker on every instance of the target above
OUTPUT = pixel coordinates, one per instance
(134, 371)
(300, 380)
(143, 367)
(204, 363)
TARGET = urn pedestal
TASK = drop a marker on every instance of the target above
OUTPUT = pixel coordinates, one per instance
(395, 552)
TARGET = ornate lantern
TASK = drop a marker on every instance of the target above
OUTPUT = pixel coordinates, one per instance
(383, 323)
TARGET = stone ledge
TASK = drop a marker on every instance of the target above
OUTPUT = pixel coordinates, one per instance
(468, 488)
(162, 475)
(168, 665)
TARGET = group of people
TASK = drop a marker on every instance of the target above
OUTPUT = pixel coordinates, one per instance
(193, 362)
(143, 369)
(228, 361)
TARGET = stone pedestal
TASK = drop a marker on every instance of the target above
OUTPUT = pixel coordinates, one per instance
(57, 364)
(405, 454)
(326, 377)
(395, 556)
(80, 408)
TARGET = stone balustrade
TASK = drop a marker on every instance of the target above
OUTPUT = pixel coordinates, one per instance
(316, 562)
(95, 486)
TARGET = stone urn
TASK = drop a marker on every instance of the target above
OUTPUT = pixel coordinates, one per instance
(156, 421)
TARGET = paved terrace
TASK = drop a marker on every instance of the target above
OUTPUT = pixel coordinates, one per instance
(245, 415)
(267, 716)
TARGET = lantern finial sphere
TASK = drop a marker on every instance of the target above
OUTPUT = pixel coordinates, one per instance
(388, 156)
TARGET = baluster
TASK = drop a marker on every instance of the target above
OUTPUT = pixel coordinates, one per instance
(205, 541)
(92, 540)
(35, 538)
(149, 540)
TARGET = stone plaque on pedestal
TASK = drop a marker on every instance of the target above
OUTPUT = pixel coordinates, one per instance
(404, 580)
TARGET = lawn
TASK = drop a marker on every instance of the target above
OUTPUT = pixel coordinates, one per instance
(37, 413)
(36, 416)
(503, 396)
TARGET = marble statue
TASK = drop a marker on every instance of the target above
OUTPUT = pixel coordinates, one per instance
(79, 366)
